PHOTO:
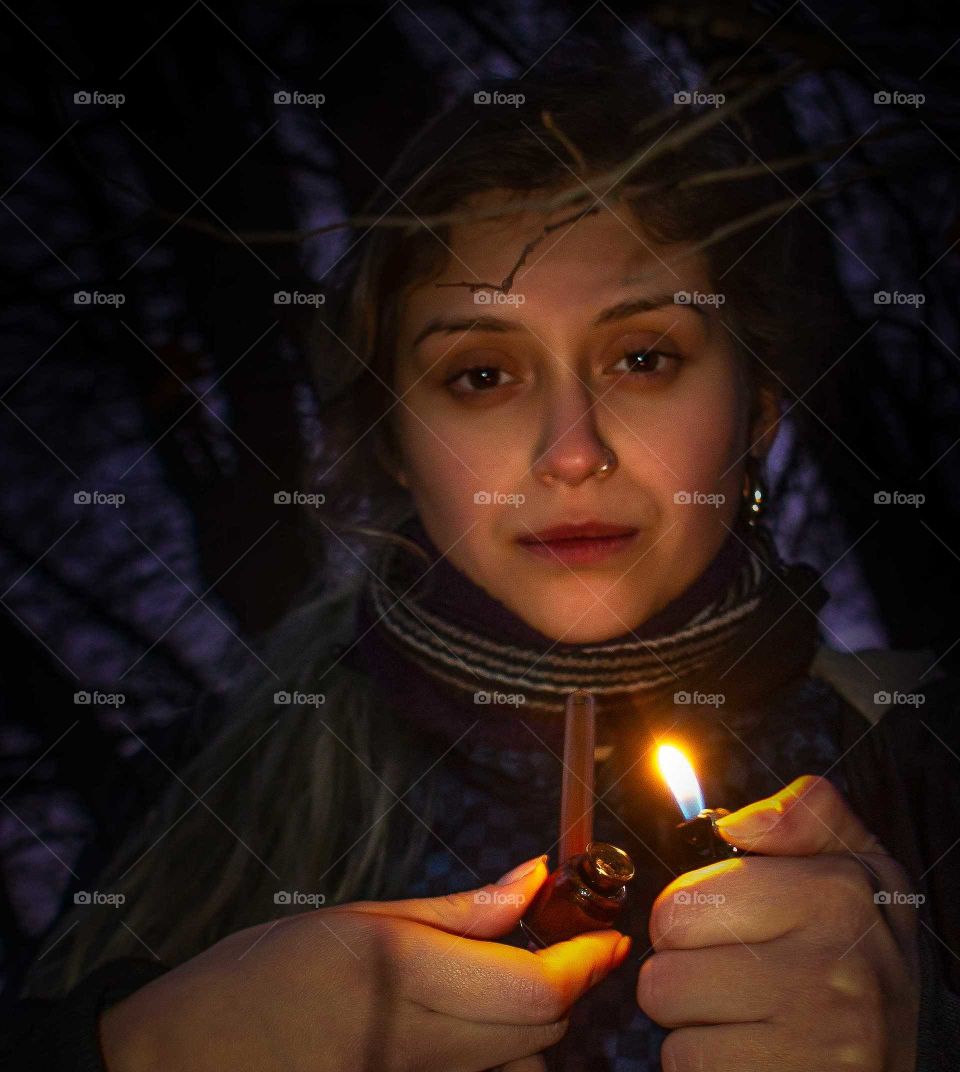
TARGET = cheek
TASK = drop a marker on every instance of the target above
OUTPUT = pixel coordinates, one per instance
(693, 443)
(449, 470)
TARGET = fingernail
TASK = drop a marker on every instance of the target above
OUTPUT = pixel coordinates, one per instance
(520, 871)
(749, 822)
(621, 951)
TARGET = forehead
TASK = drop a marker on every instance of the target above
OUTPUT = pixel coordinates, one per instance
(576, 259)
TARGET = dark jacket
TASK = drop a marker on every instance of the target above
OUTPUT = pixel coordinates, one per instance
(902, 767)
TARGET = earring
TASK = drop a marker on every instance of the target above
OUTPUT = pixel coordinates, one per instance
(755, 497)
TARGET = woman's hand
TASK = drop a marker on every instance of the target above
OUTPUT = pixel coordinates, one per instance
(788, 961)
(391, 986)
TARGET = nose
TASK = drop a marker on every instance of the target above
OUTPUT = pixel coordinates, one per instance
(569, 449)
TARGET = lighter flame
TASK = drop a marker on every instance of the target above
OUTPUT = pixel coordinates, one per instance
(679, 776)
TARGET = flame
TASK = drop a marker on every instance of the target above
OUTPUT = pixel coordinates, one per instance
(679, 776)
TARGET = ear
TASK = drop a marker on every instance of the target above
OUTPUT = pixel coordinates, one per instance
(766, 420)
(390, 462)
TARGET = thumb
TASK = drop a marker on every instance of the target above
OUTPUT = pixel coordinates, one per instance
(489, 911)
(807, 817)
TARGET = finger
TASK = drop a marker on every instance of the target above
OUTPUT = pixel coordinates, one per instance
(500, 984)
(534, 1063)
(458, 1045)
(807, 817)
(489, 911)
(759, 898)
(726, 984)
(756, 1047)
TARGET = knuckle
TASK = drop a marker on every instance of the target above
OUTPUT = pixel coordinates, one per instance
(545, 997)
(654, 986)
(663, 916)
(845, 896)
(861, 1043)
(680, 1051)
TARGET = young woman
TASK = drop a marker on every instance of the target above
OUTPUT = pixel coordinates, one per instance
(544, 423)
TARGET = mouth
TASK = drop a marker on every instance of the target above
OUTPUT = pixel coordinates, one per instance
(579, 544)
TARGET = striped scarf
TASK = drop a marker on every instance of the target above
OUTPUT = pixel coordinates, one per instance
(427, 634)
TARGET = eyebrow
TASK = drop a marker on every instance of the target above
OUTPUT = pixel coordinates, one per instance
(444, 325)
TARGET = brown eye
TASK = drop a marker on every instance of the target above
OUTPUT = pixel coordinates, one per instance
(476, 379)
(640, 363)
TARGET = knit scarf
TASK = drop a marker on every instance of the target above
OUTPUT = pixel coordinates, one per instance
(454, 658)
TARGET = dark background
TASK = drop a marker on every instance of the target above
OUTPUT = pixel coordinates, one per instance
(192, 399)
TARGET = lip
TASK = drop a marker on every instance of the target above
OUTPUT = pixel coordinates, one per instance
(581, 544)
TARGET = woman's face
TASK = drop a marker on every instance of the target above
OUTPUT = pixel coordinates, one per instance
(564, 370)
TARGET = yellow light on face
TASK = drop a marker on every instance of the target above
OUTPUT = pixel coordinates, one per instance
(679, 776)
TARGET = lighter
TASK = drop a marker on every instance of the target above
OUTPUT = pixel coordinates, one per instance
(698, 832)
(589, 888)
